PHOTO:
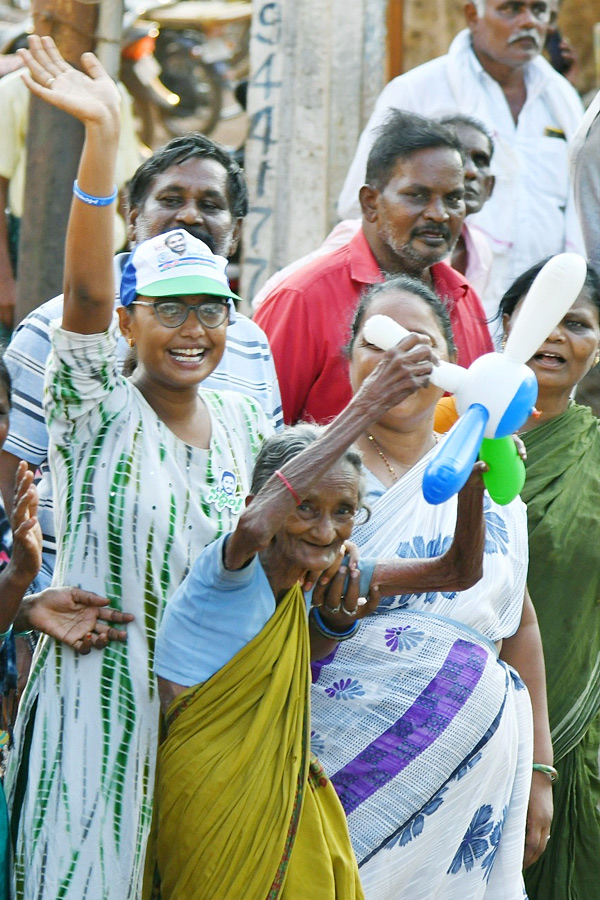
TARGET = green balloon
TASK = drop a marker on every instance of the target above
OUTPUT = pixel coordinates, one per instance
(506, 476)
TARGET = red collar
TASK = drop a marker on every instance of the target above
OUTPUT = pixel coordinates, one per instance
(364, 268)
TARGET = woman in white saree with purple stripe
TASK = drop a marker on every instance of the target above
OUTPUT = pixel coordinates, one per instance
(426, 734)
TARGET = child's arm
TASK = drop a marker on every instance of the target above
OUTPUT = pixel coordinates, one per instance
(78, 618)
(26, 557)
(92, 97)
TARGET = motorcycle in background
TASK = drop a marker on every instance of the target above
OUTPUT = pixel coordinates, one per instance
(203, 51)
(180, 59)
(15, 24)
(139, 70)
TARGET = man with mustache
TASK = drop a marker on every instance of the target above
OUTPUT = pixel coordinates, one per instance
(192, 184)
(412, 212)
(494, 72)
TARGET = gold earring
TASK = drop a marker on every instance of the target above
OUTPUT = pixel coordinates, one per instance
(503, 342)
(131, 342)
(597, 358)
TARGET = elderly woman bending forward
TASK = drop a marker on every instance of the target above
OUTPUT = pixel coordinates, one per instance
(241, 809)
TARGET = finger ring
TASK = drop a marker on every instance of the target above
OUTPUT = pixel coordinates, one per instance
(49, 82)
(349, 612)
(333, 609)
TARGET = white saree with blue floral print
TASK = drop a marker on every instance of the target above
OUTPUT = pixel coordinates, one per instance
(425, 733)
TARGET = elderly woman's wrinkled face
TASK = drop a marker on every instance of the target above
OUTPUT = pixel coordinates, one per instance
(569, 351)
(313, 534)
(414, 314)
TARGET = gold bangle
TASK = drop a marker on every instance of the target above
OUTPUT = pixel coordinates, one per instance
(550, 771)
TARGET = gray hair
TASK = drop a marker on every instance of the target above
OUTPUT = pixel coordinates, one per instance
(469, 121)
(280, 448)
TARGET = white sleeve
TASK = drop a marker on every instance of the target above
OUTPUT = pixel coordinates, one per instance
(84, 388)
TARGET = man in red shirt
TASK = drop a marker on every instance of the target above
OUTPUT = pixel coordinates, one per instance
(412, 213)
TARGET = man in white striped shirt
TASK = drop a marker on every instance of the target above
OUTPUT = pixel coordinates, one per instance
(191, 183)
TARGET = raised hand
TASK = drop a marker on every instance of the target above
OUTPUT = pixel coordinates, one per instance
(402, 370)
(90, 96)
(26, 557)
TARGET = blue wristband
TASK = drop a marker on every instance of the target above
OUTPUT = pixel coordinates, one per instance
(326, 632)
(93, 201)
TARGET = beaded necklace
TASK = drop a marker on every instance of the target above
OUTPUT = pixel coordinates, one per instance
(390, 468)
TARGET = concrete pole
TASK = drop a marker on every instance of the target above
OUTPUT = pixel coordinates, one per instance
(54, 142)
(108, 41)
(316, 70)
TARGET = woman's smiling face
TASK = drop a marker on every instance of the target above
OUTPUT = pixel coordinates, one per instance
(313, 534)
(175, 357)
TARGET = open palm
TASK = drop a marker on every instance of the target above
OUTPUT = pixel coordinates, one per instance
(90, 96)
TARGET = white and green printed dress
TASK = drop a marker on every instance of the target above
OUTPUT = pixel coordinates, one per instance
(134, 506)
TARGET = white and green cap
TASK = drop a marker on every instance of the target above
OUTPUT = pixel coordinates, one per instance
(172, 265)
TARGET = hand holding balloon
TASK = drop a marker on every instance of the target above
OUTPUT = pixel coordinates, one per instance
(496, 395)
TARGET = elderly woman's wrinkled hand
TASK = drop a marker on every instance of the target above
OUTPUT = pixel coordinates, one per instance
(402, 370)
(337, 594)
(321, 579)
(76, 617)
(468, 544)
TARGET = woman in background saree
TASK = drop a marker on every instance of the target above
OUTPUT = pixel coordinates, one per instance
(562, 492)
(240, 810)
(425, 731)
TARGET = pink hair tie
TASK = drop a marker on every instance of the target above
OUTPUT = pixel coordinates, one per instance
(284, 480)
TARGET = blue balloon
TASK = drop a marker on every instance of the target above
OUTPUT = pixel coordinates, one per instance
(453, 461)
(520, 407)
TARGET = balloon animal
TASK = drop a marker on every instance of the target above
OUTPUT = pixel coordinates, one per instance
(497, 393)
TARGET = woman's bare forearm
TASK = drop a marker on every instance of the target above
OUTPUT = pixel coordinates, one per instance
(92, 97)
(456, 570)
(418, 576)
(89, 282)
(400, 373)
(525, 653)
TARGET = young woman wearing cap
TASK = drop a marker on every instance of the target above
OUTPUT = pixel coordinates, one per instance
(147, 471)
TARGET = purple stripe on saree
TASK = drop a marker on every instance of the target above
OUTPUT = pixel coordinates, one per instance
(427, 718)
